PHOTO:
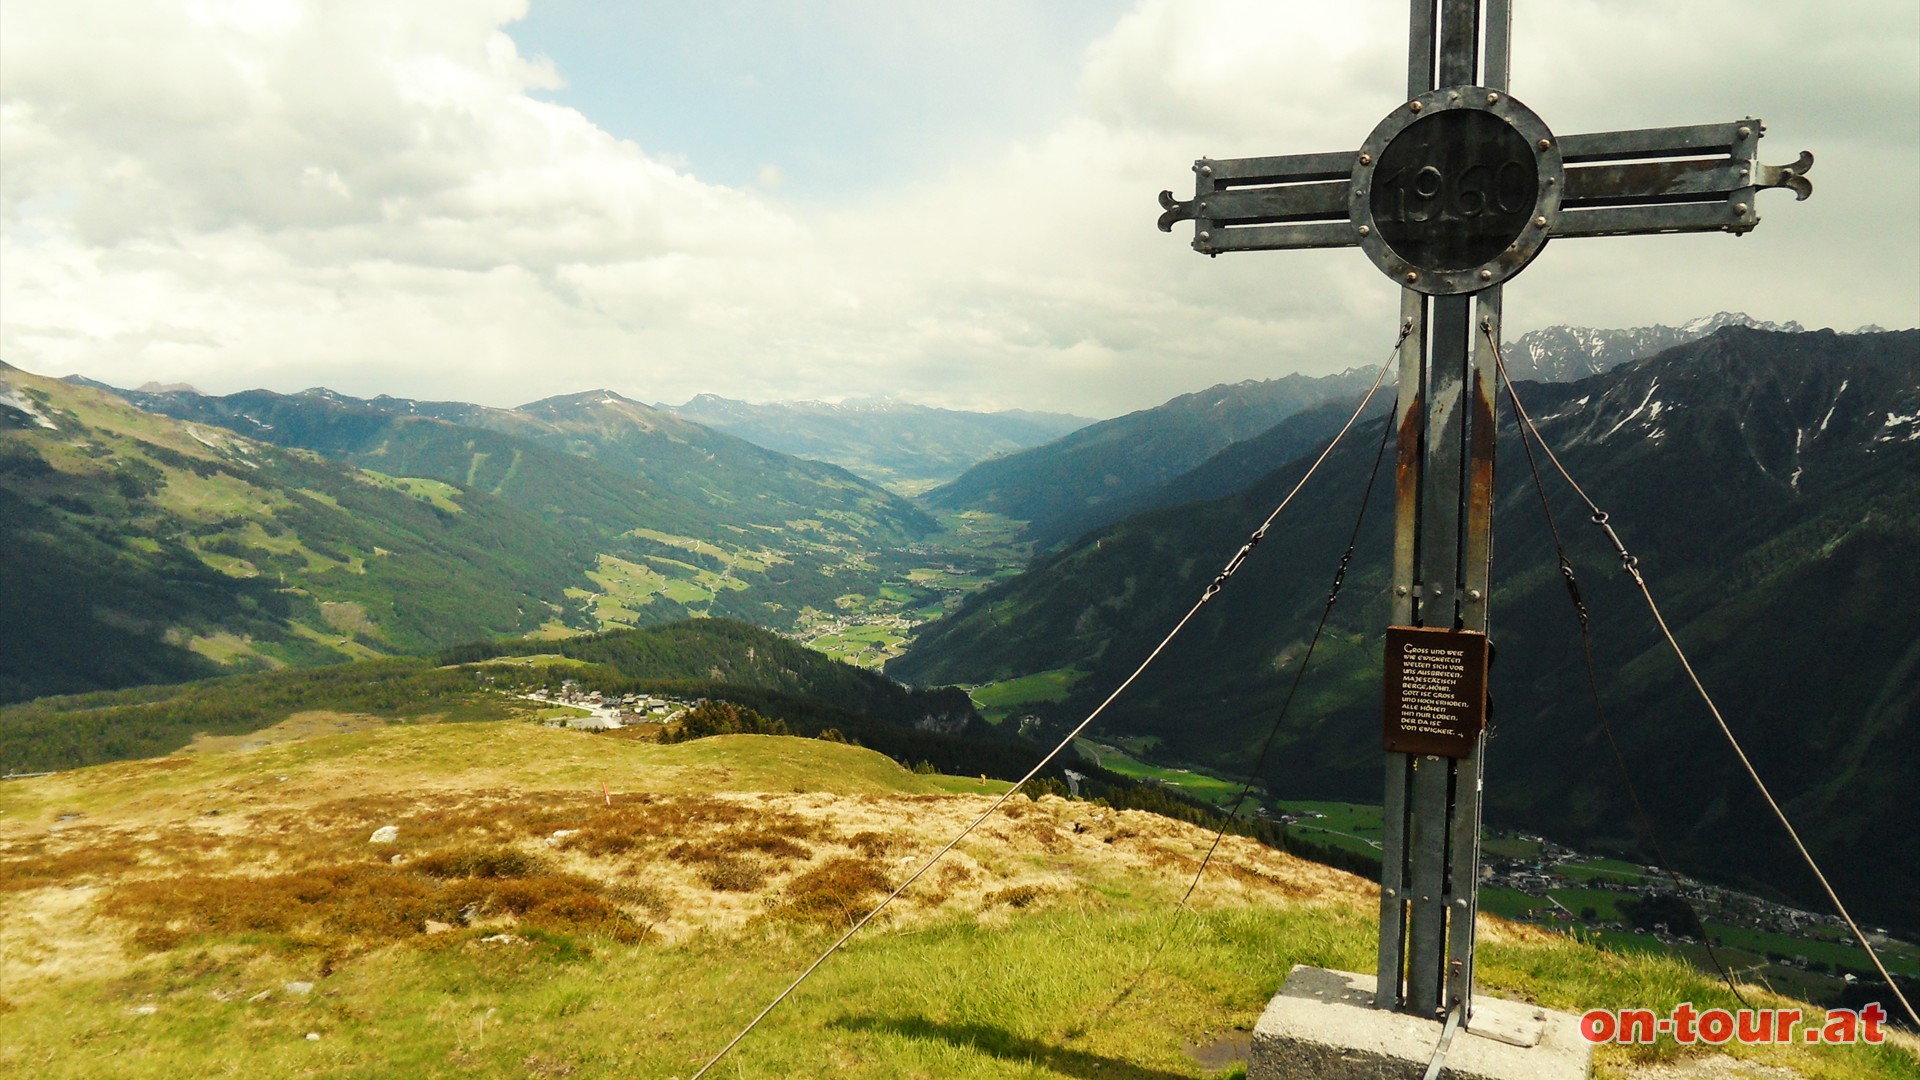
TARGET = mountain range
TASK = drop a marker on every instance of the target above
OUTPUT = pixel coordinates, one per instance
(1768, 482)
(194, 534)
(1072, 483)
(1133, 463)
(1568, 353)
(677, 474)
(891, 442)
(1766, 479)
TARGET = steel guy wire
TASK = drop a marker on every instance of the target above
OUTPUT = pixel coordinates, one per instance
(1584, 619)
(1631, 566)
(1260, 760)
(1212, 590)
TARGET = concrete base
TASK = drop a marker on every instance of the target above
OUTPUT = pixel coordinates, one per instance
(1323, 1026)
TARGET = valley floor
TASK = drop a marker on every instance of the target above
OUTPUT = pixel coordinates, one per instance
(555, 903)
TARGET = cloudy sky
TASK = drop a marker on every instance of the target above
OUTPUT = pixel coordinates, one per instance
(952, 203)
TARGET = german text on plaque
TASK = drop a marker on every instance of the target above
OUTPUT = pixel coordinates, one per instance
(1436, 690)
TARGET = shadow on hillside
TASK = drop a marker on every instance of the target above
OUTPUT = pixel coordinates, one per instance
(1000, 1043)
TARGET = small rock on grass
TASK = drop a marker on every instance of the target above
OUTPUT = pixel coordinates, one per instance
(385, 834)
(299, 989)
(435, 926)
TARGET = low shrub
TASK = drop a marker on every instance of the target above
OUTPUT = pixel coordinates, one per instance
(475, 862)
(30, 866)
(364, 905)
(836, 891)
(1018, 896)
(729, 874)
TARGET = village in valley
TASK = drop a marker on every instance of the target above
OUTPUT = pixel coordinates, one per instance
(590, 710)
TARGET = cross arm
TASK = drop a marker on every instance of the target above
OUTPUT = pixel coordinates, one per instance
(1660, 180)
(1701, 178)
(1267, 203)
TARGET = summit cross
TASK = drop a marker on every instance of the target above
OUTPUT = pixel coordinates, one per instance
(1455, 192)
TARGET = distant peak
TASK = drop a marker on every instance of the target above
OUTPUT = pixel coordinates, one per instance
(584, 398)
(1720, 320)
(168, 388)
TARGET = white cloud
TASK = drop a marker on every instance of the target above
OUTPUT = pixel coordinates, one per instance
(370, 196)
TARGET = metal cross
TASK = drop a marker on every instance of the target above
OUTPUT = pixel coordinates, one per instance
(1452, 194)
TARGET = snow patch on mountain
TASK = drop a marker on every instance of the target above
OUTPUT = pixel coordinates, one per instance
(13, 399)
(1827, 419)
(1637, 411)
(1571, 353)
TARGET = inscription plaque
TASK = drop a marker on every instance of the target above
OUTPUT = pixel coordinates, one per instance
(1436, 701)
(1456, 191)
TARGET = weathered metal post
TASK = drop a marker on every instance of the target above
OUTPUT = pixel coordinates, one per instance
(1443, 536)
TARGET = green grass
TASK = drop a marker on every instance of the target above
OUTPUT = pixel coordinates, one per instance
(1362, 819)
(1607, 904)
(222, 648)
(998, 700)
(867, 646)
(1349, 826)
(1018, 993)
(437, 492)
(1509, 847)
(1899, 960)
(543, 660)
(889, 1006)
(1604, 869)
(1204, 786)
(625, 588)
(1507, 903)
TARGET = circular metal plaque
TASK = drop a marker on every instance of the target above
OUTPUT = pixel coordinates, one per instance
(1456, 190)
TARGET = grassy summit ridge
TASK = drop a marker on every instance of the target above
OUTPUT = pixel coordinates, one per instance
(714, 658)
(559, 904)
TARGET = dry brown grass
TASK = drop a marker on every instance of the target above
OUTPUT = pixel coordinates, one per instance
(646, 821)
(644, 895)
(1018, 896)
(871, 844)
(479, 862)
(305, 725)
(30, 864)
(354, 906)
(727, 874)
(837, 891)
(264, 856)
